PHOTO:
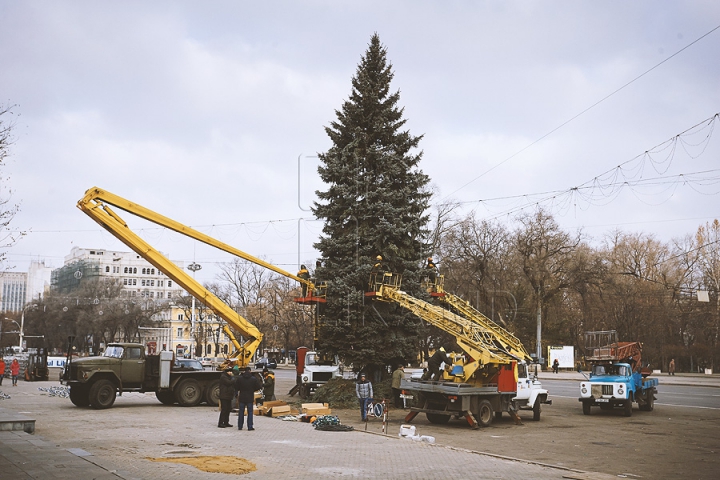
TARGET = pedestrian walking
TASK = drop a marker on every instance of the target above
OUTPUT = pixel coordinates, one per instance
(364, 392)
(246, 385)
(2, 369)
(556, 365)
(227, 392)
(14, 371)
(671, 367)
(397, 377)
(268, 385)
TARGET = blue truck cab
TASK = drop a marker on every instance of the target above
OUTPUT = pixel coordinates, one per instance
(616, 385)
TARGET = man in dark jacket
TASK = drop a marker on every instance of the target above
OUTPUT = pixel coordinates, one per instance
(246, 385)
(437, 359)
(268, 385)
(227, 392)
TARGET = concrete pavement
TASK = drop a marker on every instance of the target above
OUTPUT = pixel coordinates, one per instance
(71, 442)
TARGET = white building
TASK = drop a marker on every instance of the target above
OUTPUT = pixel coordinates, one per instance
(137, 276)
(17, 289)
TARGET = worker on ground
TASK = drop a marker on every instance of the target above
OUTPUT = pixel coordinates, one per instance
(437, 359)
(397, 377)
(246, 385)
(2, 369)
(556, 365)
(305, 275)
(431, 270)
(364, 392)
(268, 385)
(227, 392)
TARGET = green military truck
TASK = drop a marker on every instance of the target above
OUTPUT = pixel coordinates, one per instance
(124, 367)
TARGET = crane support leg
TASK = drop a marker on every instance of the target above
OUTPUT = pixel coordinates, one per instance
(471, 420)
(409, 417)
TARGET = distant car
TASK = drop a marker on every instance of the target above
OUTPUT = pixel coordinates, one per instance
(206, 361)
(188, 364)
(266, 362)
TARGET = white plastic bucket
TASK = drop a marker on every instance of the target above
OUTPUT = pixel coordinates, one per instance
(407, 430)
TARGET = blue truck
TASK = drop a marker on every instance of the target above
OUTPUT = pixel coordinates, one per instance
(617, 377)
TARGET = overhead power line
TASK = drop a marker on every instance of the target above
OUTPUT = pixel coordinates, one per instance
(582, 112)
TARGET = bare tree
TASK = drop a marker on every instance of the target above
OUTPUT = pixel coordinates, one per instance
(7, 208)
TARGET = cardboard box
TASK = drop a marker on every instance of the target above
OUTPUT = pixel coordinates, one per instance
(316, 409)
(280, 410)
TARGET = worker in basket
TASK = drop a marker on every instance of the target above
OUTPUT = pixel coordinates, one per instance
(437, 359)
(305, 275)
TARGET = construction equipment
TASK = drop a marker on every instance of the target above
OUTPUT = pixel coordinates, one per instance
(37, 365)
(313, 370)
(187, 391)
(491, 375)
(617, 376)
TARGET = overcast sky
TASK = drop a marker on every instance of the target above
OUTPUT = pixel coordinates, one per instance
(201, 110)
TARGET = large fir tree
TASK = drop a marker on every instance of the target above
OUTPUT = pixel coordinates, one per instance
(375, 204)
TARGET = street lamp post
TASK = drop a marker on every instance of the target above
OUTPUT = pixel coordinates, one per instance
(22, 323)
(193, 267)
(217, 341)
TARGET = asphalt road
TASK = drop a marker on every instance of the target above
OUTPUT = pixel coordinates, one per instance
(668, 395)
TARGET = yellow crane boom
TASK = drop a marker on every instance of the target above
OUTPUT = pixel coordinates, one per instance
(96, 204)
(478, 341)
(509, 341)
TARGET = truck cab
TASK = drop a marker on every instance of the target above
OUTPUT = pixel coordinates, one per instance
(611, 385)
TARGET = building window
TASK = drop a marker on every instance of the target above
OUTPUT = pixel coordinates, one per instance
(169, 283)
(179, 332)
(134, 281)
(169, 295)
(134, 270)
(180, 317)
(107, 269)
(152, 283)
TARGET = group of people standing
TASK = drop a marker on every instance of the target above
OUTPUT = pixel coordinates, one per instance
(14, 371)
(243, 386)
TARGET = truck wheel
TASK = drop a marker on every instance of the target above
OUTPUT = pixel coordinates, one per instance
(166, 397)
(485, 414)
(627, 408)
(188, 393)
(212, 394)
(586, 408)
(79, 395)
(437, 418)
(536, 410)
(649, 402)
(102, 394)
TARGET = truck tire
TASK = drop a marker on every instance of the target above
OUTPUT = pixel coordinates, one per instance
(437, 418)
(166, 397)
(79, 395)
(649, 401)
(212, 394)
(627, 408)
(485, 414)
(188, 392)
(536, 410)
(102, 394)
(586, 408)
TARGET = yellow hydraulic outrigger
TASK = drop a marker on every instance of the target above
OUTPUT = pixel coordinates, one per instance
(96, 204)
(479, 342)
